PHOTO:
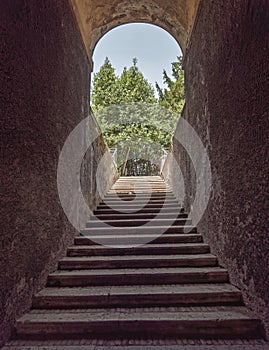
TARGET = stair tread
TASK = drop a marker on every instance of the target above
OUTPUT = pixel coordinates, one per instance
(173, 209)
(122, 239)
(182, 289)
(134, 261)
(147, 200)
(144, 210)
(161, 245)
(152, 235)
(158, 220)
(123, 344)
(139, 271)
(134, 203)
(143, 201)
(134, 216)
(140, 196)
(138, 228)
(138, 248)
(140, 192)
(139, 257)
(149, 290)
(125, 314)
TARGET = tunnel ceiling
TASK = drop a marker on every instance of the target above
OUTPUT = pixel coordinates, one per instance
(97, 17)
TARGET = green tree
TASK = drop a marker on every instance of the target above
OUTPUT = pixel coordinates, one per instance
(134, 87)
(173, 97)
(105, 82)
(133, 121)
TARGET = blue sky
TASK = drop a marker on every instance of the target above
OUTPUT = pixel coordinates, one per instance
(154, 48)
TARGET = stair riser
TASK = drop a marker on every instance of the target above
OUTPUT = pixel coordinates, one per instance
(135, 264)
(135, 216)
(124, 198)
(153, 230)
(174, 213)
(138, 211)
(78, 265)
(169, 288)
(144, 189)
(162, 239)
(128, 206)
(114, 195)
(136, 201)
(135, 300)
(137, 251)
(140, 329)
(142, 279)
(157, 262)
(138, 192)
(128, 223)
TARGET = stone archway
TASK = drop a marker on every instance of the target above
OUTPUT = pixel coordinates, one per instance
(45, 80)
(95, 18)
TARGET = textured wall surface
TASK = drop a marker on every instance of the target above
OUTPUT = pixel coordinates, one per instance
(44, 94)
(95, 18)
(227, 70)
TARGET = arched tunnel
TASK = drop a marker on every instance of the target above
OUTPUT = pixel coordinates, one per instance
(46, 61)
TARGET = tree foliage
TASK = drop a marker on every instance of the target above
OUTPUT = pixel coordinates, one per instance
(133, 87)
(130, 87)
(104, 91)
(173, 97)
(130, 116)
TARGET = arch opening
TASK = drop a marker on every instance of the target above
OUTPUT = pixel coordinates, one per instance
(115, 84)
(95, 19)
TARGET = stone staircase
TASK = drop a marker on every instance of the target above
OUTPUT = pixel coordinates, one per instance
(138, 271)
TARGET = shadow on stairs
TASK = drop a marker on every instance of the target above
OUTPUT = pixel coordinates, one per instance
(139, 277)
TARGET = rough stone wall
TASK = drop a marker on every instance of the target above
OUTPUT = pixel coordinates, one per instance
(95, 18)
(227, 70)
(44, 94)
(98, 169)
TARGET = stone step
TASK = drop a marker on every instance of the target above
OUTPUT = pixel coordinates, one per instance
(132, 261)
(152, 249)
(134, 204)
(140, 183)
(154, 178)
(137, 230)
(170, 288)
(229, 322)
(140, 196)
(145, 344)
(139, 201)
(149, 187)
(139, 180)
(139, 222)
(137, 296)
(135, 216)
(139, 276)
(137, 239)
(126, 208)
(138, 191)
(138, 210)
